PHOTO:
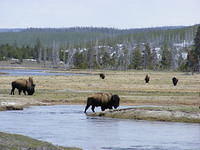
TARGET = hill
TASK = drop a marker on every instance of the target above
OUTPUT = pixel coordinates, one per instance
(78, 35)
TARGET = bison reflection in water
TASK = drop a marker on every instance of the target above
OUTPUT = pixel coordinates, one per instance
(25, 85)
(104, 100)
(175, 81)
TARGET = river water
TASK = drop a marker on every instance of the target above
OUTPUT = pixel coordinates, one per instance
(35, 72)
(67, 125)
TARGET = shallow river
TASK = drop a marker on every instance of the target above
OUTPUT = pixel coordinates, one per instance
(35, 72)
(69, 126)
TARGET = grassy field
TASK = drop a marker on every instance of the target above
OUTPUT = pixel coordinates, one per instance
(129, 85)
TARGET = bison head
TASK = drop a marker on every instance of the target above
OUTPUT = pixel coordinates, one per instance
(175, 81)
(115, 101)
(31, 89)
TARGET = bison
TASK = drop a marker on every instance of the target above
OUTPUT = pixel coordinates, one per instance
(175, 81)
(25, 85)
(102, 76)
(105, 100)
(147, 78)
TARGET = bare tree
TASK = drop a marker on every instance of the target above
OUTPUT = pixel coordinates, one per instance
(154, 59)
(174, 58)
(69, 64)
(44, 56)
(39, 50)
(97, 54)
(55, 54)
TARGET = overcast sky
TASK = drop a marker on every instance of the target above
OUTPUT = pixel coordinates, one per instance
(98, 13)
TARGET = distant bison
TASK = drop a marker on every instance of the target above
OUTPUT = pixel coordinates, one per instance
(175, 81)
(147, 78)
(23, 85)
(102, 76)
(105, 100)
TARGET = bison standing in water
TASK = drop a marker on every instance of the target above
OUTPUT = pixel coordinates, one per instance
(105, 100)
(23, 85)
(175, 81)
(147, 78)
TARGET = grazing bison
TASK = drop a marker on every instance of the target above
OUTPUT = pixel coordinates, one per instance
(175, 81)
(105, 100)
(147, 78)
(102, 76)
(23, 85)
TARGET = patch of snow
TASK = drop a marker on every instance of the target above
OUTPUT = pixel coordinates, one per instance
(7, 103)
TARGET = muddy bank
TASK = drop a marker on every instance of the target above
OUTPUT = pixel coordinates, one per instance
(11, 107)
(173, 114)
(19, 142)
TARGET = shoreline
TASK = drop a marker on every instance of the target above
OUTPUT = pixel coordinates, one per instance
(16, 141)
(152, 114)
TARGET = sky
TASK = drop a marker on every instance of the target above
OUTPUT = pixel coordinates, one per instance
(122, 14)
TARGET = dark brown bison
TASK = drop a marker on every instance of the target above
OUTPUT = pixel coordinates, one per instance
(175, 81)
(147, 78)
(105, 100)
(102, 76)
(23, 85)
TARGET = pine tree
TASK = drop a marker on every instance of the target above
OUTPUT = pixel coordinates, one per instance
(166, 57)
(91, 59)
(137, 58)
(80, 60)
(191, 61)
(147, 57)
(197, 48)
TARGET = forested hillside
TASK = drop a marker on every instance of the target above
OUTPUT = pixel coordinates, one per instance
(104, 48)
(79, 35)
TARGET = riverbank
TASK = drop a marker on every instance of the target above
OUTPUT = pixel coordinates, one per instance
(172, 114)
(20, 142)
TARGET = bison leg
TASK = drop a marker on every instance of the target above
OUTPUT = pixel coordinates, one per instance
(19, 91)
(12, 91)
(86, 107)
(102, 108)
(24, 91)
(93, 108)
(110, 107)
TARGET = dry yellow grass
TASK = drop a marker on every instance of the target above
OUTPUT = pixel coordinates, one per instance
(129, 85)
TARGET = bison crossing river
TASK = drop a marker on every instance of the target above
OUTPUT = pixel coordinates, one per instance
(104, 100)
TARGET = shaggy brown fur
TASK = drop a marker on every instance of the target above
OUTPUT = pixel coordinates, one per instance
(175, 81)
(102, 76)
(23, 85)
(147, 78)
(105, 100)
